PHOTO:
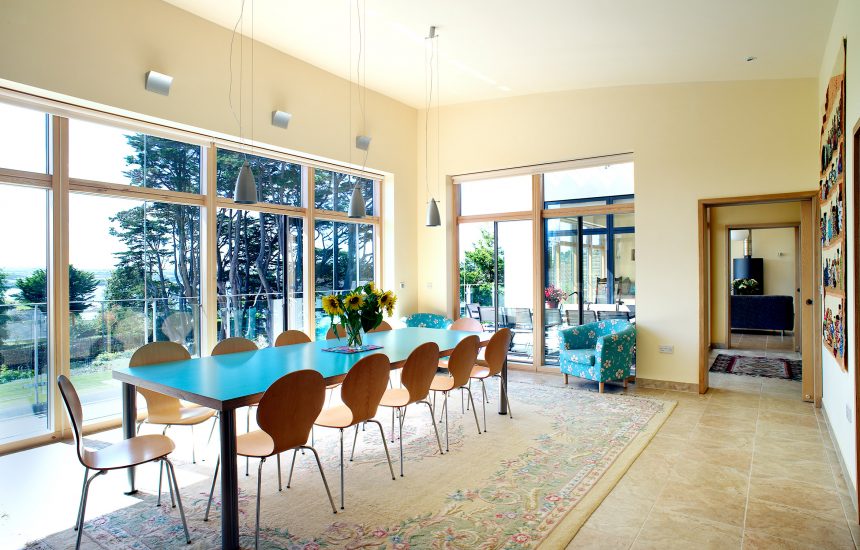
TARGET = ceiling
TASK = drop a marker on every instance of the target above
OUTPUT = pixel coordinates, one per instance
(498, 48)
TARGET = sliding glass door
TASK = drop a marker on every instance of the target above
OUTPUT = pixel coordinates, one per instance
(496, 280)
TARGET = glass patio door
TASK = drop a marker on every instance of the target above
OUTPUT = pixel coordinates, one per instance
(496, 280)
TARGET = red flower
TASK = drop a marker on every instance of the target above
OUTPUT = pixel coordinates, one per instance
(553, 498)
(520, 538)
(379, 533)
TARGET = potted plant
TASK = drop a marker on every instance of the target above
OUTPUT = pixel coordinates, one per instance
(743, 287)
(554, 296)
(361, 309)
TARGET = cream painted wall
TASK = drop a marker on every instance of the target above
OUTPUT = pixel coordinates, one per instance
(776, 247)
(838, 387)
(99, 50)
(721, 217)
(690, 141)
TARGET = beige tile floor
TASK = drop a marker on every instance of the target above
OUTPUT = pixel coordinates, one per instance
(747, 465)
(762, 341)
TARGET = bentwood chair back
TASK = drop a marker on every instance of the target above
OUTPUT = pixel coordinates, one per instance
(291, 337)
(335, 331)
(418, 371)
(163, 409)
(160, 408)
(469, 324)
(364, 385)
(289, 407)
(236, 344)
(383, 326)
(497, 350)
(463, 359)
(127, 453)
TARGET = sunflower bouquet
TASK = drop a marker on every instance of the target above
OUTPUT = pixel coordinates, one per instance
(361, 309)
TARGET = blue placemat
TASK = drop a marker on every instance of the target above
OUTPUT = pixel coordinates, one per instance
(347, 349)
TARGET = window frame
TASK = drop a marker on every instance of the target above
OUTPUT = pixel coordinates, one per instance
(60, 185)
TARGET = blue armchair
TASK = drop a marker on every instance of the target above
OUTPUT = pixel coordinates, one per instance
(601, 351)
(428, 320)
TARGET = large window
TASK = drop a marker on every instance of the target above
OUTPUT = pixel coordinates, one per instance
(153, 239)
(586, 268)
(25, 371)
(345, 257)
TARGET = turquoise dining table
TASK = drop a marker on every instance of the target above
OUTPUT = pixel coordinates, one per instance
(227, 382)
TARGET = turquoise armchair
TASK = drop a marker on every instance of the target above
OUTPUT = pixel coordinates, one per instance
(428, 320)
(603, 351)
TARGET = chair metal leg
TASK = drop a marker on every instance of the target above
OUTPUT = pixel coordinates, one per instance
(139, 426)
(402, 418)
(484, 402)
(171, 474)
(290, 477)
(259, 487)
(385, 445)
(341, 466)
(215, 420)
(445, 409)
(193, 447)
(433, 423)
(83, 509)
(462, 403)
(247, 430)
(81, 502)
(461, 396)
(280, 484)
(160, 474)
(392, 424)
(170, 490)
(322, 474)
(473, 410)
(354, 440)
(212, 490)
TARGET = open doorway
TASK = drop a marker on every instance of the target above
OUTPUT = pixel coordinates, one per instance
(757, 266)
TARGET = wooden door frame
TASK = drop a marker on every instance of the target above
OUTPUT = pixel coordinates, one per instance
(855, 242)
(703, 211)
(775, 225)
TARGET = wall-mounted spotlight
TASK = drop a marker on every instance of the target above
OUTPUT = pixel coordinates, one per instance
(362, 142)
(158, 82)
(281, 119)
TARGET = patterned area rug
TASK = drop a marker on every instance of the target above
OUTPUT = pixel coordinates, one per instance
(770, 367)
(527, 482)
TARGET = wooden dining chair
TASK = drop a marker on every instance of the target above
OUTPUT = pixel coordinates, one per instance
(416, 375)
(285, 415)
(491, 365)
(469, 324)
(384, 326)
(164, 410)
(227, 346)
(125, 454)
(361, 392)
(460, 365)
(335, 331)
(290, 337)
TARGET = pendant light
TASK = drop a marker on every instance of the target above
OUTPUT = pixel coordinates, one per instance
(433, 218)
(245, 190)
(357, 205)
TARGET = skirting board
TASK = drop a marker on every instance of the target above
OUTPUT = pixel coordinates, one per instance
(852, 492)
(667, 385)
(718, 345)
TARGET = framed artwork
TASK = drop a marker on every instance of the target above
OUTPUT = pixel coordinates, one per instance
(831, 197)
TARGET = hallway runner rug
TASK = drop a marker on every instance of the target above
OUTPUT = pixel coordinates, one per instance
(528, 482)
(769, 367)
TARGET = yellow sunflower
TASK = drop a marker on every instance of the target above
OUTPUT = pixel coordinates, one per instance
(372, 286)
(331, 305)
(353, 301)
(386, 301)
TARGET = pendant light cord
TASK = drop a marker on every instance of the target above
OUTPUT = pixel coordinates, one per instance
(428, 84)
(359, 71)
(238, 117)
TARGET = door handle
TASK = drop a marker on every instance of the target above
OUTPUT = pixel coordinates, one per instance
(809, 301)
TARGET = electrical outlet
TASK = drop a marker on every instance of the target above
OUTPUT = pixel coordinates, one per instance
(429, 284)
(848, 415)
(402, 284)
(666, 348)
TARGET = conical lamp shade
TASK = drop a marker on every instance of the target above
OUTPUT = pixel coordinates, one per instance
(246, 188)
(357, 207)
(433, 219)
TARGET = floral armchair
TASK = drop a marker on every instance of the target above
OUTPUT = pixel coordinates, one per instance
(602, 351)
(428, 320)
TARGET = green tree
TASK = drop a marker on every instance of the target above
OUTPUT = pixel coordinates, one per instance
(478, 270)
(34, 289)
